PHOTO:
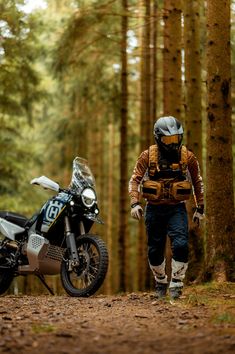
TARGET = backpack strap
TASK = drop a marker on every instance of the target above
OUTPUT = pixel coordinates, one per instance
(184, 159)
(153, 160)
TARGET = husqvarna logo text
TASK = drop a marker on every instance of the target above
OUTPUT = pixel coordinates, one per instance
(53, 210)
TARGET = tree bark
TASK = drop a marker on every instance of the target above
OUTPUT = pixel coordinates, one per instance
(146, 80)
(110, 208)
(172, 87)
(148, 114)
(219, 193)
(193, 121)
(154, 33)
(123, 212)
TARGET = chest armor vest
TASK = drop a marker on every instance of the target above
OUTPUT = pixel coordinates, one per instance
(166, 182)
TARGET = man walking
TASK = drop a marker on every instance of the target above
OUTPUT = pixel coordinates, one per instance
(165, 175)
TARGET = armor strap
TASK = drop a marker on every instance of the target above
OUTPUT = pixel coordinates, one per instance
(153, 160)
(184, 159)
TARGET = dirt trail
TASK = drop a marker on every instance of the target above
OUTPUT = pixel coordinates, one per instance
(118, 324)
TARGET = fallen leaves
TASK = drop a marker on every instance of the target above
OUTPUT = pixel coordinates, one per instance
(106, 324)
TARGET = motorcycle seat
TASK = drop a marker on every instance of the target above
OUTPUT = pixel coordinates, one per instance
(15, 218)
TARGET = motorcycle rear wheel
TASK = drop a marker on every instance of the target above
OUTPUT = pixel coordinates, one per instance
(87, 278)
(6, 276)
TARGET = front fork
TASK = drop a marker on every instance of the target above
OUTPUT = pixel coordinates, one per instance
(70, 241)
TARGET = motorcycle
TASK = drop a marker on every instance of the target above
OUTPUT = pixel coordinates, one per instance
(56, 240)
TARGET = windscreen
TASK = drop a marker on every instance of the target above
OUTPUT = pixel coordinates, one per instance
(81, 176)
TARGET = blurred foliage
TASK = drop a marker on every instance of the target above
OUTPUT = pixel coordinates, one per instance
(19, 93)
(19, 49)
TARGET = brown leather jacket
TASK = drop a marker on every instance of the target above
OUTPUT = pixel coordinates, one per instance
(142, 166)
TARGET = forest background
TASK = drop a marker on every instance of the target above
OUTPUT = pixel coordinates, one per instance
(89, 78)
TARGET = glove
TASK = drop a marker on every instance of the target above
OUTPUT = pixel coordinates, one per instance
(198, 215)
(136, 211)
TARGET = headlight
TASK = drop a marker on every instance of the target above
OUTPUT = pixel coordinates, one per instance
(88, 197)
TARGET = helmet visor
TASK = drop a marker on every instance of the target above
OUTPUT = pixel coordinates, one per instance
(172, 139)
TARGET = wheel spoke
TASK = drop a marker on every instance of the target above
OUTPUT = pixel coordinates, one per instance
(89, 259)
(85, 278)
(94, 269)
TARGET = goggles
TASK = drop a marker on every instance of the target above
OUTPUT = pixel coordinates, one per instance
(172, 139)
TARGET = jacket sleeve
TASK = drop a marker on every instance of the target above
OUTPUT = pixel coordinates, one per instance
(194, 170)
(137, 176)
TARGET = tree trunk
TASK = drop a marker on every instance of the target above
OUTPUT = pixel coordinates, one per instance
(219, 194)
(123, 225)
(154, 23)
(110, 208)
(172, 87)
(147, 63)
(193, 121)
(148, 110)
(193, 104)
(146, 80)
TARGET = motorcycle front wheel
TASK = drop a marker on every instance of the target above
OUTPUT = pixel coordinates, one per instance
(86, 278)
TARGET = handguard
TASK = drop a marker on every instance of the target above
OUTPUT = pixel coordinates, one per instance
(46, 183)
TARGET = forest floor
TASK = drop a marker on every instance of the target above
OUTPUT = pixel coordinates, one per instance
(203, 321)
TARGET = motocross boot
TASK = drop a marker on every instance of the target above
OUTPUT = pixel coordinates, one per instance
(175, 292)
(161, 289)
(161, 279)
(178, 275)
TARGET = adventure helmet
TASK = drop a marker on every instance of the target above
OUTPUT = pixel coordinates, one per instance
(168, 133)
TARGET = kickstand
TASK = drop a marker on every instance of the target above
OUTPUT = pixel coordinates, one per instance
(41, 277)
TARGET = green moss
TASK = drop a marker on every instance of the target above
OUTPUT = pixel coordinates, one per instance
(225, 317)
(217, 299)
(43, 328)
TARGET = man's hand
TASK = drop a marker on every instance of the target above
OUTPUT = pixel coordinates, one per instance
(136, 211)
(198, 215)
